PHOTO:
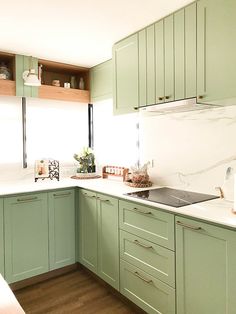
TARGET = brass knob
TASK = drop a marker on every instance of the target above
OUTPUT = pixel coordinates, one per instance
(200, 97)
(160, 98)
(135, 108)
(167, 97)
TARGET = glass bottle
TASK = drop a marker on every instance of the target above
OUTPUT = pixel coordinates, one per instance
(81, 83)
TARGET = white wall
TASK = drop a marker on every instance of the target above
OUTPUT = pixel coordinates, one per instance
(115, 137)
(190, 150)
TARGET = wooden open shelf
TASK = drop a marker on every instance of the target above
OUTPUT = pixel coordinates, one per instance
(61, 93)
(63, 72)
(8, 87)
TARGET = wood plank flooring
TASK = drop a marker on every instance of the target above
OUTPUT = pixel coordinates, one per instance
(76, 292)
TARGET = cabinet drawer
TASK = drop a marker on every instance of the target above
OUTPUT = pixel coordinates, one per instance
(149, 293)
(152, 258)
(148, 223)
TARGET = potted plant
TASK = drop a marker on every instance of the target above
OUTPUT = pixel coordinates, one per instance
(86, 160)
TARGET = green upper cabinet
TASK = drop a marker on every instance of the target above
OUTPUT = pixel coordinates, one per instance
(205, 268)
(101, 81)
(160, 65)
(1, 239)
(61, 228)
(216, 51)
(185, 52)
(125, 71)
(22, 64)
(26, 236)
(169, 58)
(146, 51)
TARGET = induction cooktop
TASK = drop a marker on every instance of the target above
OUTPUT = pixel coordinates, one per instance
(172, 197)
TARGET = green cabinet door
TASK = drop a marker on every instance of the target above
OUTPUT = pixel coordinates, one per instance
(142, 67)
(146, 48)
(190, 50)
(88, 230)
(148, 292)
(160, 62)
(169, 58)
(101, 81)
(23, 63)
(125, 71)
(108, 240)
(216, 50)
(205, 268)
(26, 236)
(1, 239)
(185, 52)
(61, 228)
(151, 84)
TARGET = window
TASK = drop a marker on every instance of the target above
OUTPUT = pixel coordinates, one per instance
(55, 129)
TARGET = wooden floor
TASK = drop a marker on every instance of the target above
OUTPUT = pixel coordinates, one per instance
(76, 292)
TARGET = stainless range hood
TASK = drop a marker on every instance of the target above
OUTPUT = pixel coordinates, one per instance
(176, 107)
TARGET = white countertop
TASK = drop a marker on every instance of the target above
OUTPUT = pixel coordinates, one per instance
(217, 211)
(8, 302)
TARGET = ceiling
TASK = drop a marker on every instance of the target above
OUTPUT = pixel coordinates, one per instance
(75, 31)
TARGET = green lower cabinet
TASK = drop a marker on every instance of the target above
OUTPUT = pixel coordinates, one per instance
(24, 63)
(88, 230)
(149, 293)
(150, 257)
(26, 236)
(61, 228)
(1, 239)
(205, 268)
(98, 235)
(147, 222)
(108, 240)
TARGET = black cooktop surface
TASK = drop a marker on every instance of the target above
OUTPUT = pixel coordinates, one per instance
(172, 197)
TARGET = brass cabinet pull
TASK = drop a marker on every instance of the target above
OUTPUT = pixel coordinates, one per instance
(188, 226)
(27, 199)
(140, 277)
(62, 194)
(135, 108)
(143, 245)
(160, 98)
(141, 211)
(200, 97)
(167, 97)
(106, 201)
(91, 196)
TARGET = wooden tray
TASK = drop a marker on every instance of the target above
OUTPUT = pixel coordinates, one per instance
(84, 177)
(139, 185)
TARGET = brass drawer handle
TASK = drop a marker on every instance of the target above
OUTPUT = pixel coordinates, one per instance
(144, 279)
(188, 226)
(93, 196)
(141, 211)
(27, 199)
(143, 245)
(62, 194)
(103, 200)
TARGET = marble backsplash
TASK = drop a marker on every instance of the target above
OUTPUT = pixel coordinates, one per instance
(191, 150)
